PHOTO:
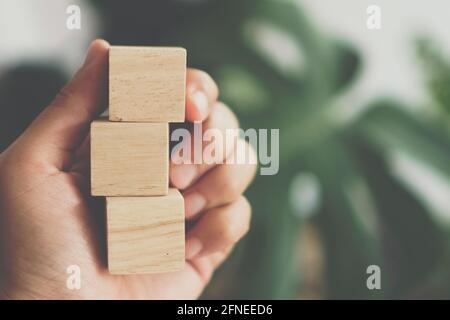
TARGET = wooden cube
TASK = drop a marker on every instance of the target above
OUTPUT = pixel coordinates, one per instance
(147, 84)
(129, 159)
(145, 234)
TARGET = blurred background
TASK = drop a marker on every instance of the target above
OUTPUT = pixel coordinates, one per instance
(364, 119)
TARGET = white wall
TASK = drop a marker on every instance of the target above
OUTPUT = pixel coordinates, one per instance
(390, 64)
(35, 30)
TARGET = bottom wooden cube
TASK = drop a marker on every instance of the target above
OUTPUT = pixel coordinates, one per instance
(145, 234)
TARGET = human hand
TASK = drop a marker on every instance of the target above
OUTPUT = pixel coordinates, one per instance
(48, 220)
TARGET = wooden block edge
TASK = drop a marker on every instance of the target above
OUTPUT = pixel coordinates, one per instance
(177, 119)
(150, 270)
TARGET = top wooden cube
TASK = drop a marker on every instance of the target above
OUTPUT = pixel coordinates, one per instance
(147, 84)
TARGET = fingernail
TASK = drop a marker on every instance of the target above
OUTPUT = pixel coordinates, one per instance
(183, 175)
(194, 203)
(193, 248)
(201, 101)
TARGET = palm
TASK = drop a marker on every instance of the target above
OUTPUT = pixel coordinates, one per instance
(65, 216)
(61, 215)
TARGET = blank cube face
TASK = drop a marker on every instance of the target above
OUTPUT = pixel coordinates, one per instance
(146, 234)
(129, 159)
(147, 84)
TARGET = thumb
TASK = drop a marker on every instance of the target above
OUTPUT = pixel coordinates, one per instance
(64, 123)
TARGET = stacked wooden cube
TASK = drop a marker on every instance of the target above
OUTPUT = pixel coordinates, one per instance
(130, 160)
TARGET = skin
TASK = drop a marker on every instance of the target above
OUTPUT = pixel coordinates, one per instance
(48, 221)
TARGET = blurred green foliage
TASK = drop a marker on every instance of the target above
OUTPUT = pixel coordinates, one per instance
(437, 69)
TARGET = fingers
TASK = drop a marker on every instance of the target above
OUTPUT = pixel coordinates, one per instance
(201, 94)
(219, 121)
(219, 229)
(205, 266)
(222, 185)
(65, 122)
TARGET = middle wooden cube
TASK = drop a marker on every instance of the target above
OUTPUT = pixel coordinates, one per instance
(129, 159)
